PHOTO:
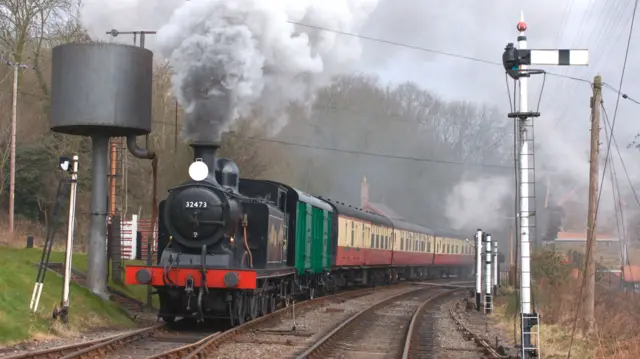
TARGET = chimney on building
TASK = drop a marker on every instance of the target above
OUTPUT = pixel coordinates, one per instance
(364, 192)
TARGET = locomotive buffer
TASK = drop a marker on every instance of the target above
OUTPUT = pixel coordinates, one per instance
(516, 62)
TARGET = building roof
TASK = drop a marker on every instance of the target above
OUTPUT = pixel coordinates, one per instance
(383, 210)
(582, 237)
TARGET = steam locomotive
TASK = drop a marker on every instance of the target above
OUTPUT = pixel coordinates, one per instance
(232, 248)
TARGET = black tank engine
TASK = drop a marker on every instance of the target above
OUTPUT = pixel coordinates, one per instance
(206, 224)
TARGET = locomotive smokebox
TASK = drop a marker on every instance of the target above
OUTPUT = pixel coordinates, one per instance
(205, 151)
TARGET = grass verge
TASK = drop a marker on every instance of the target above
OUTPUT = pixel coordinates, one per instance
(87, 311)
(554, 338)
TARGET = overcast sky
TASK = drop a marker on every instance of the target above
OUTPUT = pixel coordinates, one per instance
(480, 29)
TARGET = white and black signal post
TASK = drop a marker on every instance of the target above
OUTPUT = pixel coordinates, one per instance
(72, 167)
(496, 278)
(516, 63)
(488, 297)
(478, 268)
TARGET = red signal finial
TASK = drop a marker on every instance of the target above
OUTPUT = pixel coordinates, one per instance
(522, 26)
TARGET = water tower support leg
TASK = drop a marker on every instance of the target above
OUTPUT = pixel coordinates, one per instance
(97, 256)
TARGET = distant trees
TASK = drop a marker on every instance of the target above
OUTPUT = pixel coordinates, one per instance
(402, 129)
(408, 127)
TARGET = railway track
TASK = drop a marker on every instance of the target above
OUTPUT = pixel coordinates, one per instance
(380, 330)
(158, 341)
(484, 345)
(161, 341)
(419, 343)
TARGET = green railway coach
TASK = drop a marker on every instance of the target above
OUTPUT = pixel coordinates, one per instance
(308, 229)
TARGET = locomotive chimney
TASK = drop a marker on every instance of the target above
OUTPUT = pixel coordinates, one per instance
(206, 151)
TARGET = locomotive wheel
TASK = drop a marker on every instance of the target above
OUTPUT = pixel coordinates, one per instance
(239, 309)
(272, 303)
(264, 304)
(252, 307)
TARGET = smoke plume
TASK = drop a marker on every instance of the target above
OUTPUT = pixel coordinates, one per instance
(477, 203)
(232, 58)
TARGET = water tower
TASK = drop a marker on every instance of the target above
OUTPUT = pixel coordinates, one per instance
(101, 91)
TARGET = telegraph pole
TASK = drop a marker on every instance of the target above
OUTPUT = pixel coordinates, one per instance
(516, 63)
(590, 255)
(14, 119)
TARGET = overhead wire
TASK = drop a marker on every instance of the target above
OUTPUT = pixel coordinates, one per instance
(624, 167)
(355, 152)
(615, 189)
(610, 140)
(418, 48)
(394, 43)
(624, 95)
(566, 70)
(635, 195)
(460, 56)
(605, 32)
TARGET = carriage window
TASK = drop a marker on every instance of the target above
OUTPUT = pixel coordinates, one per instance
(372, 240)
(346, 230)
(428, 246)
(377, 241)
(387, 242)
(353, 234)
(401, 244)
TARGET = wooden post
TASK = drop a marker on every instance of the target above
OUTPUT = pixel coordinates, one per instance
(590, 267)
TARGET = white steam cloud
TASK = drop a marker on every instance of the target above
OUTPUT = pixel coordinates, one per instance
(476, 203)
(237, 58)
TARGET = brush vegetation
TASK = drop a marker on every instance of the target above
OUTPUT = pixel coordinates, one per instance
(556, 297)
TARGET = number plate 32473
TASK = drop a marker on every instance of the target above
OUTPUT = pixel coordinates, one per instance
(195, 204)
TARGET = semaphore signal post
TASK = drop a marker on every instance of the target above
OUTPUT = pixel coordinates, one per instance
(516, 62)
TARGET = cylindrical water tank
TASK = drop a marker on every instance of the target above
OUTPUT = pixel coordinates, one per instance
(101, 89)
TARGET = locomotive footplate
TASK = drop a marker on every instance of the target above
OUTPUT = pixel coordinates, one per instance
(178, 277)
(216, 278)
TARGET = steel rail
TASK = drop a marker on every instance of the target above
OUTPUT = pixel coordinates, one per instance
(316, 351)
(480, 342)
